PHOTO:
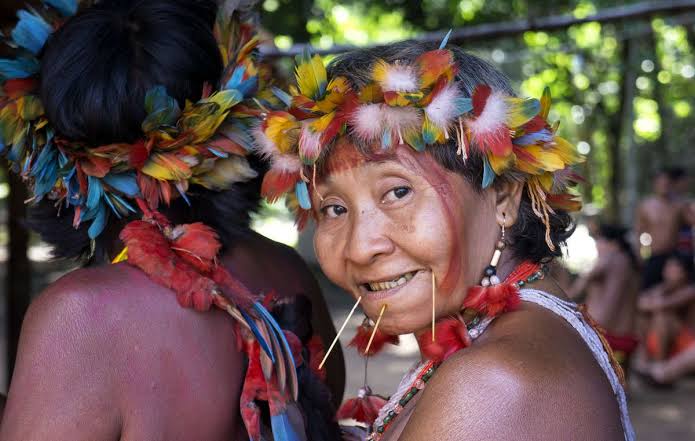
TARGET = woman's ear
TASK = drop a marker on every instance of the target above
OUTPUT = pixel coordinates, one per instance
(507, 202)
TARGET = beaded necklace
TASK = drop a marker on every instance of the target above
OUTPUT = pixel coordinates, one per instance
(477, 326)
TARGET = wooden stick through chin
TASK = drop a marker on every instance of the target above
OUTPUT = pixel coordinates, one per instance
(434, 313)
(376, 326)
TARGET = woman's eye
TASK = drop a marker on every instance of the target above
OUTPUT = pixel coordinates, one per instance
(397, 193)
(333, 211)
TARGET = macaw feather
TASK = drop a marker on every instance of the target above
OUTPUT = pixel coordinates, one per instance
(434, 65)
(31, 31)
(278, 181)
(521, 110)
(166, 167)
(371, 93)
(302, 192)
(22, 67)
(282, 130)
(161, 109)
(67, 8)
(225, 172)
(395, 77)
(546, 101)
(488, 173)
(311, 76)
(29, 107)
(500, 164)
(488, 128)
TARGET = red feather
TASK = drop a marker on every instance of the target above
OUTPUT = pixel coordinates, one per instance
(536, 124)
(451, 336)
(492, 300)
(196, 244)
(480, 95)
(316, 352)
(149, 189)
(364, 408)
(95, 166)
(277, 182)
(149, 250)
(361, 338)
(19, 87)
(234, 289)
(138, 155)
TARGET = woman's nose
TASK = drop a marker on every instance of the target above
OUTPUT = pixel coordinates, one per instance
(369, 238)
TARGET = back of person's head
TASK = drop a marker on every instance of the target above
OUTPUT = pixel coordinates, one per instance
(97, 68)
(679, 269)
(617, 234)
(95, 72)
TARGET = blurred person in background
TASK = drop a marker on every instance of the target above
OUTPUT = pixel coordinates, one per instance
(670, 310)
(610, 289)
(679, 193)
(657, 224)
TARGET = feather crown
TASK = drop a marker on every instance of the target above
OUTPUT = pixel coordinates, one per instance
(418, 105)
(205, 143)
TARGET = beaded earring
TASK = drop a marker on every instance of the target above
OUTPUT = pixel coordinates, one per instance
(490, 275)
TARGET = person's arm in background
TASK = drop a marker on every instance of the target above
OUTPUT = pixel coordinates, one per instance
(579, 286)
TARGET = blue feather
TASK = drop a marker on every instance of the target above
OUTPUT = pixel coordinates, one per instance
(248, 87)
(126, 183)
(302, 192)
(282, 96)
(386, 139)
(115, 210)
(98, 223)
(488, 173)
(31, 31)
(66, 7)
(532, 138)
(445, 40)
(239, 133)
(183, 194)
(124, 203)
(94, 192)
(161, 109)
(23, 67)
(258, 335)
(463, 106)
(236, 78)
(45, 170)
(282, 429)
(276, 327)
(218, 153)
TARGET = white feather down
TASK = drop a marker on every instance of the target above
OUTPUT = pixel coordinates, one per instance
(493, 116)
(442, 110)
(400, 78)
(367, 122)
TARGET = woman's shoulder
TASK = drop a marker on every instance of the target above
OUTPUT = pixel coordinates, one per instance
(530, 376)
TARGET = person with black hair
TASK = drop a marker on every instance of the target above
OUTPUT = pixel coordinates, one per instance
(106, 353)
(610, 290)
(670, 308)
(439, 197)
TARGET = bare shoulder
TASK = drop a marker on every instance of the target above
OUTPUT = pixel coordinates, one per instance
(529, 378)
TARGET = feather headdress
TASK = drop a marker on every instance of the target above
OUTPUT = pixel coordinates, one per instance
(420, 105)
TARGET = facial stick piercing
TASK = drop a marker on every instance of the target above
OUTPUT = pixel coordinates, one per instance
(434, 292)
(376, 326)
(342, 328)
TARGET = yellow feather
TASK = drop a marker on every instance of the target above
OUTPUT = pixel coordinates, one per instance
(501, 163)
(166, 167)
(547, 159)
(311, 76)
(283, 130)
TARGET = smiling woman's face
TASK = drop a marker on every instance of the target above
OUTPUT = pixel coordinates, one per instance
(385, 227)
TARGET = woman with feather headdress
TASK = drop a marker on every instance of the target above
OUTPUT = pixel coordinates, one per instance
(130, 122)
(439, 199)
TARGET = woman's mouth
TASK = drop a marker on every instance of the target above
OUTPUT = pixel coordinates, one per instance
(386, 285)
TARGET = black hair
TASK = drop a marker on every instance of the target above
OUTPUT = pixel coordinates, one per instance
(676, 173)
(685, 262)
(618, 234)
(527, 236)
(95, 72)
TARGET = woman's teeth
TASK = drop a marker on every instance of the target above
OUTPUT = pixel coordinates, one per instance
(383, 286)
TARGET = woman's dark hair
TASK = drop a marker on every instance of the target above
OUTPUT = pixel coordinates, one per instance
(618, 234)
(95, 72)
(527, 236)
